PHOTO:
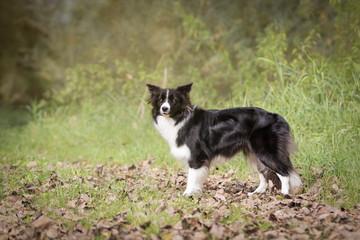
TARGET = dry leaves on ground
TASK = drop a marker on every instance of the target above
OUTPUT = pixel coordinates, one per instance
(223, 211)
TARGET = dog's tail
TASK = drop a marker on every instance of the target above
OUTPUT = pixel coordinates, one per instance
(285, 147)
(295, 180)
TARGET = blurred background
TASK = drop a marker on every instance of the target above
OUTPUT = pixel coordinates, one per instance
(123, 44)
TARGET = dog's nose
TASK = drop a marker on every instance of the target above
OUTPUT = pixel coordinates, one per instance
(164, 108)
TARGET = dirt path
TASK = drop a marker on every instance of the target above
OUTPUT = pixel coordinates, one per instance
(223, 211)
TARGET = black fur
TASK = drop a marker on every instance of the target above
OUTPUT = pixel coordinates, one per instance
(210, 133)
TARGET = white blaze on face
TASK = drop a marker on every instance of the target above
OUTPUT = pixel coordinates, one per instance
(165, 107)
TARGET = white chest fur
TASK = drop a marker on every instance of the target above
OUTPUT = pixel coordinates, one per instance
(169, 131)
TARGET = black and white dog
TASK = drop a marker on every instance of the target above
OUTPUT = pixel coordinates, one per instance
(202, 137)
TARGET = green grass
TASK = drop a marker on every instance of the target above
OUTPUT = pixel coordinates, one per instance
(323, 111)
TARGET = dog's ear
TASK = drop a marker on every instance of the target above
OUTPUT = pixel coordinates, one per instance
(153, 89)
(184, 88)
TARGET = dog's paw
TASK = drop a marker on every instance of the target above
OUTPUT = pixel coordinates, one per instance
(250, 194)
(253, 193)
(260, 189)
(192, 192)
(257, 191)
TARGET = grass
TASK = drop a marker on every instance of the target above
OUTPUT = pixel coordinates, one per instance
(324, 114)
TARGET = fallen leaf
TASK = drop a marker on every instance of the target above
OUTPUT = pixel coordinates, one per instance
(217, 231)
(41, 223)
(33, 189)
(200, 236)
(104, 224)
(220, 195)
(271, 234)
(239, 237)
(350, 235)
(71, 204)
(272, 217)
(59, 165)
(83, 201)
(99, 169)
(31, 165)
(145, 225)
(52, 232)
(179, 225)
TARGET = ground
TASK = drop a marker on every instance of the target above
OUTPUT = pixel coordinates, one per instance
(145, 201)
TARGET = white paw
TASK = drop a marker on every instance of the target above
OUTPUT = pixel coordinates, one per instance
(192, 192)
(250, 194)
(262, 186)
(254, 192)
(285, 192)
(260, 189)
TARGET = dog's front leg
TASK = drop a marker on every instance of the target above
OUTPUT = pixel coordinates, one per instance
(195, 181)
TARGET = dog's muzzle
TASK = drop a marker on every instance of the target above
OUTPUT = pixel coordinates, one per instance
(165, 109)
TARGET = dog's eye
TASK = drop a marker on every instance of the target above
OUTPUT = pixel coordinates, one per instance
(174, 101)
(161, 100)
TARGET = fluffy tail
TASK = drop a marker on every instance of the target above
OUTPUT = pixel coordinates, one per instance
(295, 180)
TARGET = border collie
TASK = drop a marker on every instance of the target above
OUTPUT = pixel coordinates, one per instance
(203, 137)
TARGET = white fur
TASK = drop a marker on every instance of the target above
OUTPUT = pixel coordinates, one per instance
(195, 181)
(169, 131)
(165, 104)
(262, 186)
(285, 183)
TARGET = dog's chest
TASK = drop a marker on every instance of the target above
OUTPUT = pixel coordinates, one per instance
(169, 131)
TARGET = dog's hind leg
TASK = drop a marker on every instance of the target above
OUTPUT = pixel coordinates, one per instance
(262, 186)
(289, 182)
(276, 169)
(285, 183)
(255, 163)
(273, 146)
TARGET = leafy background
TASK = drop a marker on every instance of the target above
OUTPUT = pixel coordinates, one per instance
(73, 75)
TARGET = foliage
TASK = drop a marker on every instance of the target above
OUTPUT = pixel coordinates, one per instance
(297, 59)
(210, 38)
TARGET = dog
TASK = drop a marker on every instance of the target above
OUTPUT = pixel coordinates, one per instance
(201, 138)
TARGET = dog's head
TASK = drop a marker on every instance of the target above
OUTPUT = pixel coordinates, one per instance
(169, 102)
